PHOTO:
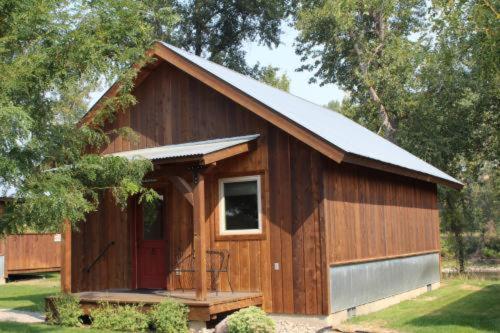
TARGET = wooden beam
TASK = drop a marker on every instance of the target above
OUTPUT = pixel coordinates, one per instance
(199, 231)
(182, 186)
(228, 152)
(66, 259)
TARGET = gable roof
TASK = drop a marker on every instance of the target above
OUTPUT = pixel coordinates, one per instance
(327, 131)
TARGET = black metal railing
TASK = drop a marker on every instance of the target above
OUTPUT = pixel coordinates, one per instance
(103, 252)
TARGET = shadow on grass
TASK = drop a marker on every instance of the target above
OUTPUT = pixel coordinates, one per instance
(41, 328)
(32, 302)
(16, 327)
(479, 310)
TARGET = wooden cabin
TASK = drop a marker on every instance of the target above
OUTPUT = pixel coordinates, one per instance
(315, 214)
(28, 253)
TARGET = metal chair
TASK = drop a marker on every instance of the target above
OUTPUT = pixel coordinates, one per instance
(217, 262)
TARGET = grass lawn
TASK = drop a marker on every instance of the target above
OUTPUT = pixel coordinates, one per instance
(460, 305)
(32, 328)
(28, 294)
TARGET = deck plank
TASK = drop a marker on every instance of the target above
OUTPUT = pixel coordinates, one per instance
(199, 310)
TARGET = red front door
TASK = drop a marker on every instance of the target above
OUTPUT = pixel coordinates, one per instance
(151, 246)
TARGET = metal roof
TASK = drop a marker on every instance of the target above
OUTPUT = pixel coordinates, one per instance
(331, 126)
(189, 149)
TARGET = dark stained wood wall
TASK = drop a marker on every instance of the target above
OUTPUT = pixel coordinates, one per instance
(108, 224)
(375, 215)
(175, 108)
(298, 197)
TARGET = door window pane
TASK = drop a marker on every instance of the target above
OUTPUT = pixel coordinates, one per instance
(241, 205)
(152, 218)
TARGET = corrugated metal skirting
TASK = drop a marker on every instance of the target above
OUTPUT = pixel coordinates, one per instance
(2, 269)
(357, 284)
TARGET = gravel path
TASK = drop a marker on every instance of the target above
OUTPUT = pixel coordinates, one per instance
(21, 316)
(299, 324)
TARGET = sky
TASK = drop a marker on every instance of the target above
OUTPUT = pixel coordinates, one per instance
(285, 58)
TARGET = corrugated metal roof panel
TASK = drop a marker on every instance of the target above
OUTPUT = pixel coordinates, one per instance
(325, 123)
(189, 149)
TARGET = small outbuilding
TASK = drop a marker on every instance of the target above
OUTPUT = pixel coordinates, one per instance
(28, 253)
(267, 199)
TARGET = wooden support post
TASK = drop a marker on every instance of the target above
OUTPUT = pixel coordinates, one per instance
(66, 259)
(200, 245)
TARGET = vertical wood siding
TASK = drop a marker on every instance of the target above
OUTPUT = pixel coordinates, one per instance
(30, 253)
(374, 215)
(298, 200)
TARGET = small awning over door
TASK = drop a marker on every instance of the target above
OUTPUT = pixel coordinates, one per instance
(205, 152)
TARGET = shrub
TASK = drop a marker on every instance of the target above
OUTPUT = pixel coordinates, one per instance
(67, 311)
(250, 320)
(169, 317)
(119, 318)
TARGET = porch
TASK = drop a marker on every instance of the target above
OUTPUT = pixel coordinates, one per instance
(200, 310)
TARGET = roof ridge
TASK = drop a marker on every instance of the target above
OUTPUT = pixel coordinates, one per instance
(249, 77)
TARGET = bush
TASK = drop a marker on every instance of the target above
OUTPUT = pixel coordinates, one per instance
(250, 320)
(67, 311)
(169, 317)
(119, 318)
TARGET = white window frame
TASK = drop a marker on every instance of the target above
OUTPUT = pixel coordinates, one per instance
(222, 206)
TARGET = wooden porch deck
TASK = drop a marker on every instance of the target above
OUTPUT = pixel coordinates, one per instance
(198, 310)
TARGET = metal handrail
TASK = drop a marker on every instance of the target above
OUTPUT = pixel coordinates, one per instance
(87, 270)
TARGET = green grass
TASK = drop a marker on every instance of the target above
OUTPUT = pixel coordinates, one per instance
(459, 306)
(32, 328)
(28, 295)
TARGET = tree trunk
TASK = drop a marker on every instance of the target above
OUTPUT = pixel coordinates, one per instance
(456, 227)
(387, 124)
(460, 249)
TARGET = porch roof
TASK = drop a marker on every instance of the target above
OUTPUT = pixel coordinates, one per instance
(207, 151)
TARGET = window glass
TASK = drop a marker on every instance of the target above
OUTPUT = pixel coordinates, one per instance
(241, 205)
(152, 218)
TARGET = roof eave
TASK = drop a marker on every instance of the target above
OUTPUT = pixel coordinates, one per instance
(396, 169)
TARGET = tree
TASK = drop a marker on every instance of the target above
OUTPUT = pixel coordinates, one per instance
(456, 126)
(270, 76)
(335, 105)
(218, 29)
(53, 54)
(436, 82)
(366, 48)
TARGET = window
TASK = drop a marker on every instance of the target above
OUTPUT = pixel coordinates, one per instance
(240, 206)
(152, 217)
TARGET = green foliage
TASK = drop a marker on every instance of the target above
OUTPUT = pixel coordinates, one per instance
(53, 54)
(366, 48)
(334, 106)
(250, 320)
(169, 317)
(68, 311)
(424, 74)
(218, 29)
(127, 318)
(270, 76)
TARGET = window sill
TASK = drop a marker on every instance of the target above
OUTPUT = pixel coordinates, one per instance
(230, 237)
